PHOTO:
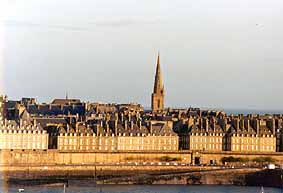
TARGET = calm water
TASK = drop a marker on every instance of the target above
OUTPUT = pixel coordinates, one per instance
(143, 189)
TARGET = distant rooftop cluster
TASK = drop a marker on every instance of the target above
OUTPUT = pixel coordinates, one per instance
(74, 125)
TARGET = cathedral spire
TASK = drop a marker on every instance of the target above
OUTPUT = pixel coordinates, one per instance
(158, 84)
(157, 97)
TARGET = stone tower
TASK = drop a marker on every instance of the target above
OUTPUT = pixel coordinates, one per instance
(157, 97)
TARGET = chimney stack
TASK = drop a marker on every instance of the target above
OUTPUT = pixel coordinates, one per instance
(214, 124)
(132, 125)
(247, 125)
(107, 128)
(236, 124)
(273, 126)
(206, 124)
(242, 124)
(190, 122)
(116, 127)
(126, 125)
(223, 123)
(256, 125)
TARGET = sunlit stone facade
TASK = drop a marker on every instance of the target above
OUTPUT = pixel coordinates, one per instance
(30, 137)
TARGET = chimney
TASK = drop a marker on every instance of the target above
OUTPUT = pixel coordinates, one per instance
(150, 127)
(34, 122)
(132, 125)
(236, 124)
(256, 125)
(247, 125)
(279, 123)
(107, 128)
(200, 123)
(242, 125)
(77, 126)
(68, 128)
(223, 123)
(179, 115)
(116, 116)
(190, 122)
(77, 116)
(126, 125)
(116, 127)
(206, 124)
(21, 122)
(273, 126)
(98, 130)
(214, 124)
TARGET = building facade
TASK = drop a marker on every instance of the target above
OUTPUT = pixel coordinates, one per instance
(22, 137)
(118, 136)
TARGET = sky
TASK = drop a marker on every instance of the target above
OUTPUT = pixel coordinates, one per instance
(214, 54)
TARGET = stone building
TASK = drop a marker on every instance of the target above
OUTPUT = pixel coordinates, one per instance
(13, 136)
(208, 136)
(256, 135)
(229, 133)
(156, 136)
(115, 135)
(86, 138)
(201, 134)
(157, 97)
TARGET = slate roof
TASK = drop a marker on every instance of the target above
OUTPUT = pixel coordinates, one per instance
(55, 110)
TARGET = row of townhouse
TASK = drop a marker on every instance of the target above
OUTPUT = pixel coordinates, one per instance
(243, 135)
(23, 137)
(155, 137)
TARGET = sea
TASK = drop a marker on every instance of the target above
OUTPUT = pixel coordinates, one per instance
(142, 189)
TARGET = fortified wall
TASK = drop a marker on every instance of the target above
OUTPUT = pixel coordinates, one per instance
(52, 157)
(56, 157)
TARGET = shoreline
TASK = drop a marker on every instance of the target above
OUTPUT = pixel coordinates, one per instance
(237, 177)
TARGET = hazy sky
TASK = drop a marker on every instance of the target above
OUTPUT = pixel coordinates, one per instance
(214, 53)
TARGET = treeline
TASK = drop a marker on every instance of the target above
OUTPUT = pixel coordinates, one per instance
(232, 159)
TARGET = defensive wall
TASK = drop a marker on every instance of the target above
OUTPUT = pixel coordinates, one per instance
(52, 157)
(57, 157)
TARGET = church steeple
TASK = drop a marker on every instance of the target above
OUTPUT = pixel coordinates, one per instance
(158, 84)
(157, 98)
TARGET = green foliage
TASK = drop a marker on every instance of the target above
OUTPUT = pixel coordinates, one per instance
(232, 159)
(264, 160)
(169, 159)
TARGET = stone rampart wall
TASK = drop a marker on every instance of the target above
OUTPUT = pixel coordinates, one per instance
(51, 157)
(56, 157)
